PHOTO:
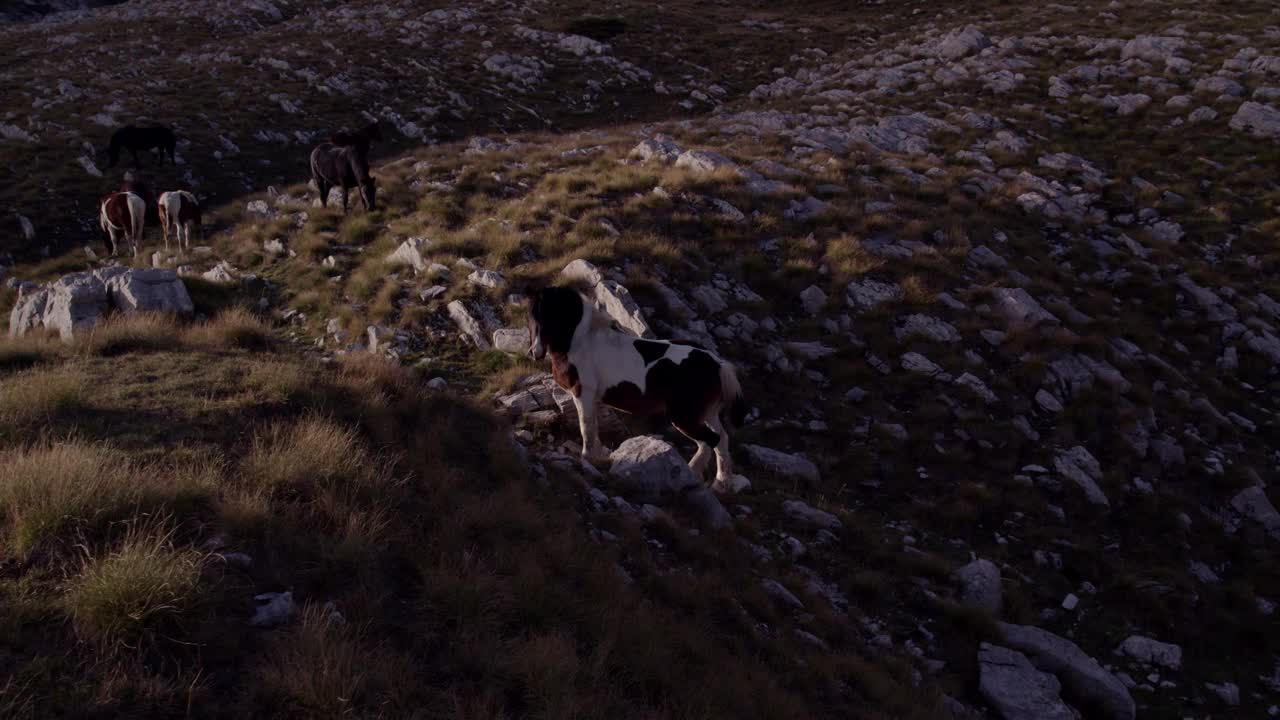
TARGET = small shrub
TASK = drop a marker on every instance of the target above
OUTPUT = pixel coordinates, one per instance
(142, 588)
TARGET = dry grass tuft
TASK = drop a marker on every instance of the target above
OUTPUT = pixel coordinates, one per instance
(35, 396)
(46, 491)
(322, 665)
(141, 332)
(141, 589)
(232, 328)
(23, 352)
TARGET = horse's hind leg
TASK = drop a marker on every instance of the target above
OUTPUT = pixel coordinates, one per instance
(706, 439)
(724, 463)
(323, 187)
(344, 200)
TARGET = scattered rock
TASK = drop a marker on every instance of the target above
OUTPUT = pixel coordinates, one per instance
(274, 609)
(511, 340)
(649, 470)
(1258, 120)
(1146, 650)
(980, 586)
(784, 464)
(805, 514)
(1081, 467)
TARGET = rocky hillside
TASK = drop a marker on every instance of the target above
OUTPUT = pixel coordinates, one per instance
(999, 286)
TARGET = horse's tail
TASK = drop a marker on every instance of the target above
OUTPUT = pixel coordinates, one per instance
(137, 216)
(731, 396)
(103, 222)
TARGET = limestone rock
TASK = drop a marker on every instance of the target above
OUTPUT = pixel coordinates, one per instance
(511, 340)
(647, 469)
(962, 42)
(1081, 467)
(980, 586)
(780, 463)
(1085, 682)
(615, 299)
(1150, 651)
(410, 254)
(1016, 689)
(79, 301)
(474, 320)
(1258, 120)
(806, 514)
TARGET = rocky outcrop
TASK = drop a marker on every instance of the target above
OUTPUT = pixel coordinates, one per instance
(475, 320)
(1016, 689)
(615, 299)
(1086, 682)
(77, 302)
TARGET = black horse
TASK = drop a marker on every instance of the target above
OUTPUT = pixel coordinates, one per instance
(359, 139)
(342, 167)
(156, 137)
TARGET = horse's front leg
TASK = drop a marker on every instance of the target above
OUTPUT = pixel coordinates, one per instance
(588, 406)
(344, 199)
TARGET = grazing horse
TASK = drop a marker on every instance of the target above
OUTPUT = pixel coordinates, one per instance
(136, 185)
(342, 167)
(122, 212)
(360, 139)
(155, 137)
(179, 210)
(596, 364)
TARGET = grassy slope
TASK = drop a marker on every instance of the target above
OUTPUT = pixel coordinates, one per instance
(466, 590)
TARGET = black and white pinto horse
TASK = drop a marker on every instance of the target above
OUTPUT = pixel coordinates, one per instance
(342, 167)
(598, 364)
(179, 211)
(155, 137)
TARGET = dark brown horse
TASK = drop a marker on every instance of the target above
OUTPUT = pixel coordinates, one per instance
(342, 167)
(155, 137)
(359, 139)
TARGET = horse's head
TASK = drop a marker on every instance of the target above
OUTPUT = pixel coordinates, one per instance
(373, 131)
(369, 192)
(554, 314)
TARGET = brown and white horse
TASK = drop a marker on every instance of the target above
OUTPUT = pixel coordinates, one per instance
(122, 212)
(179, 210)
(598, 364)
